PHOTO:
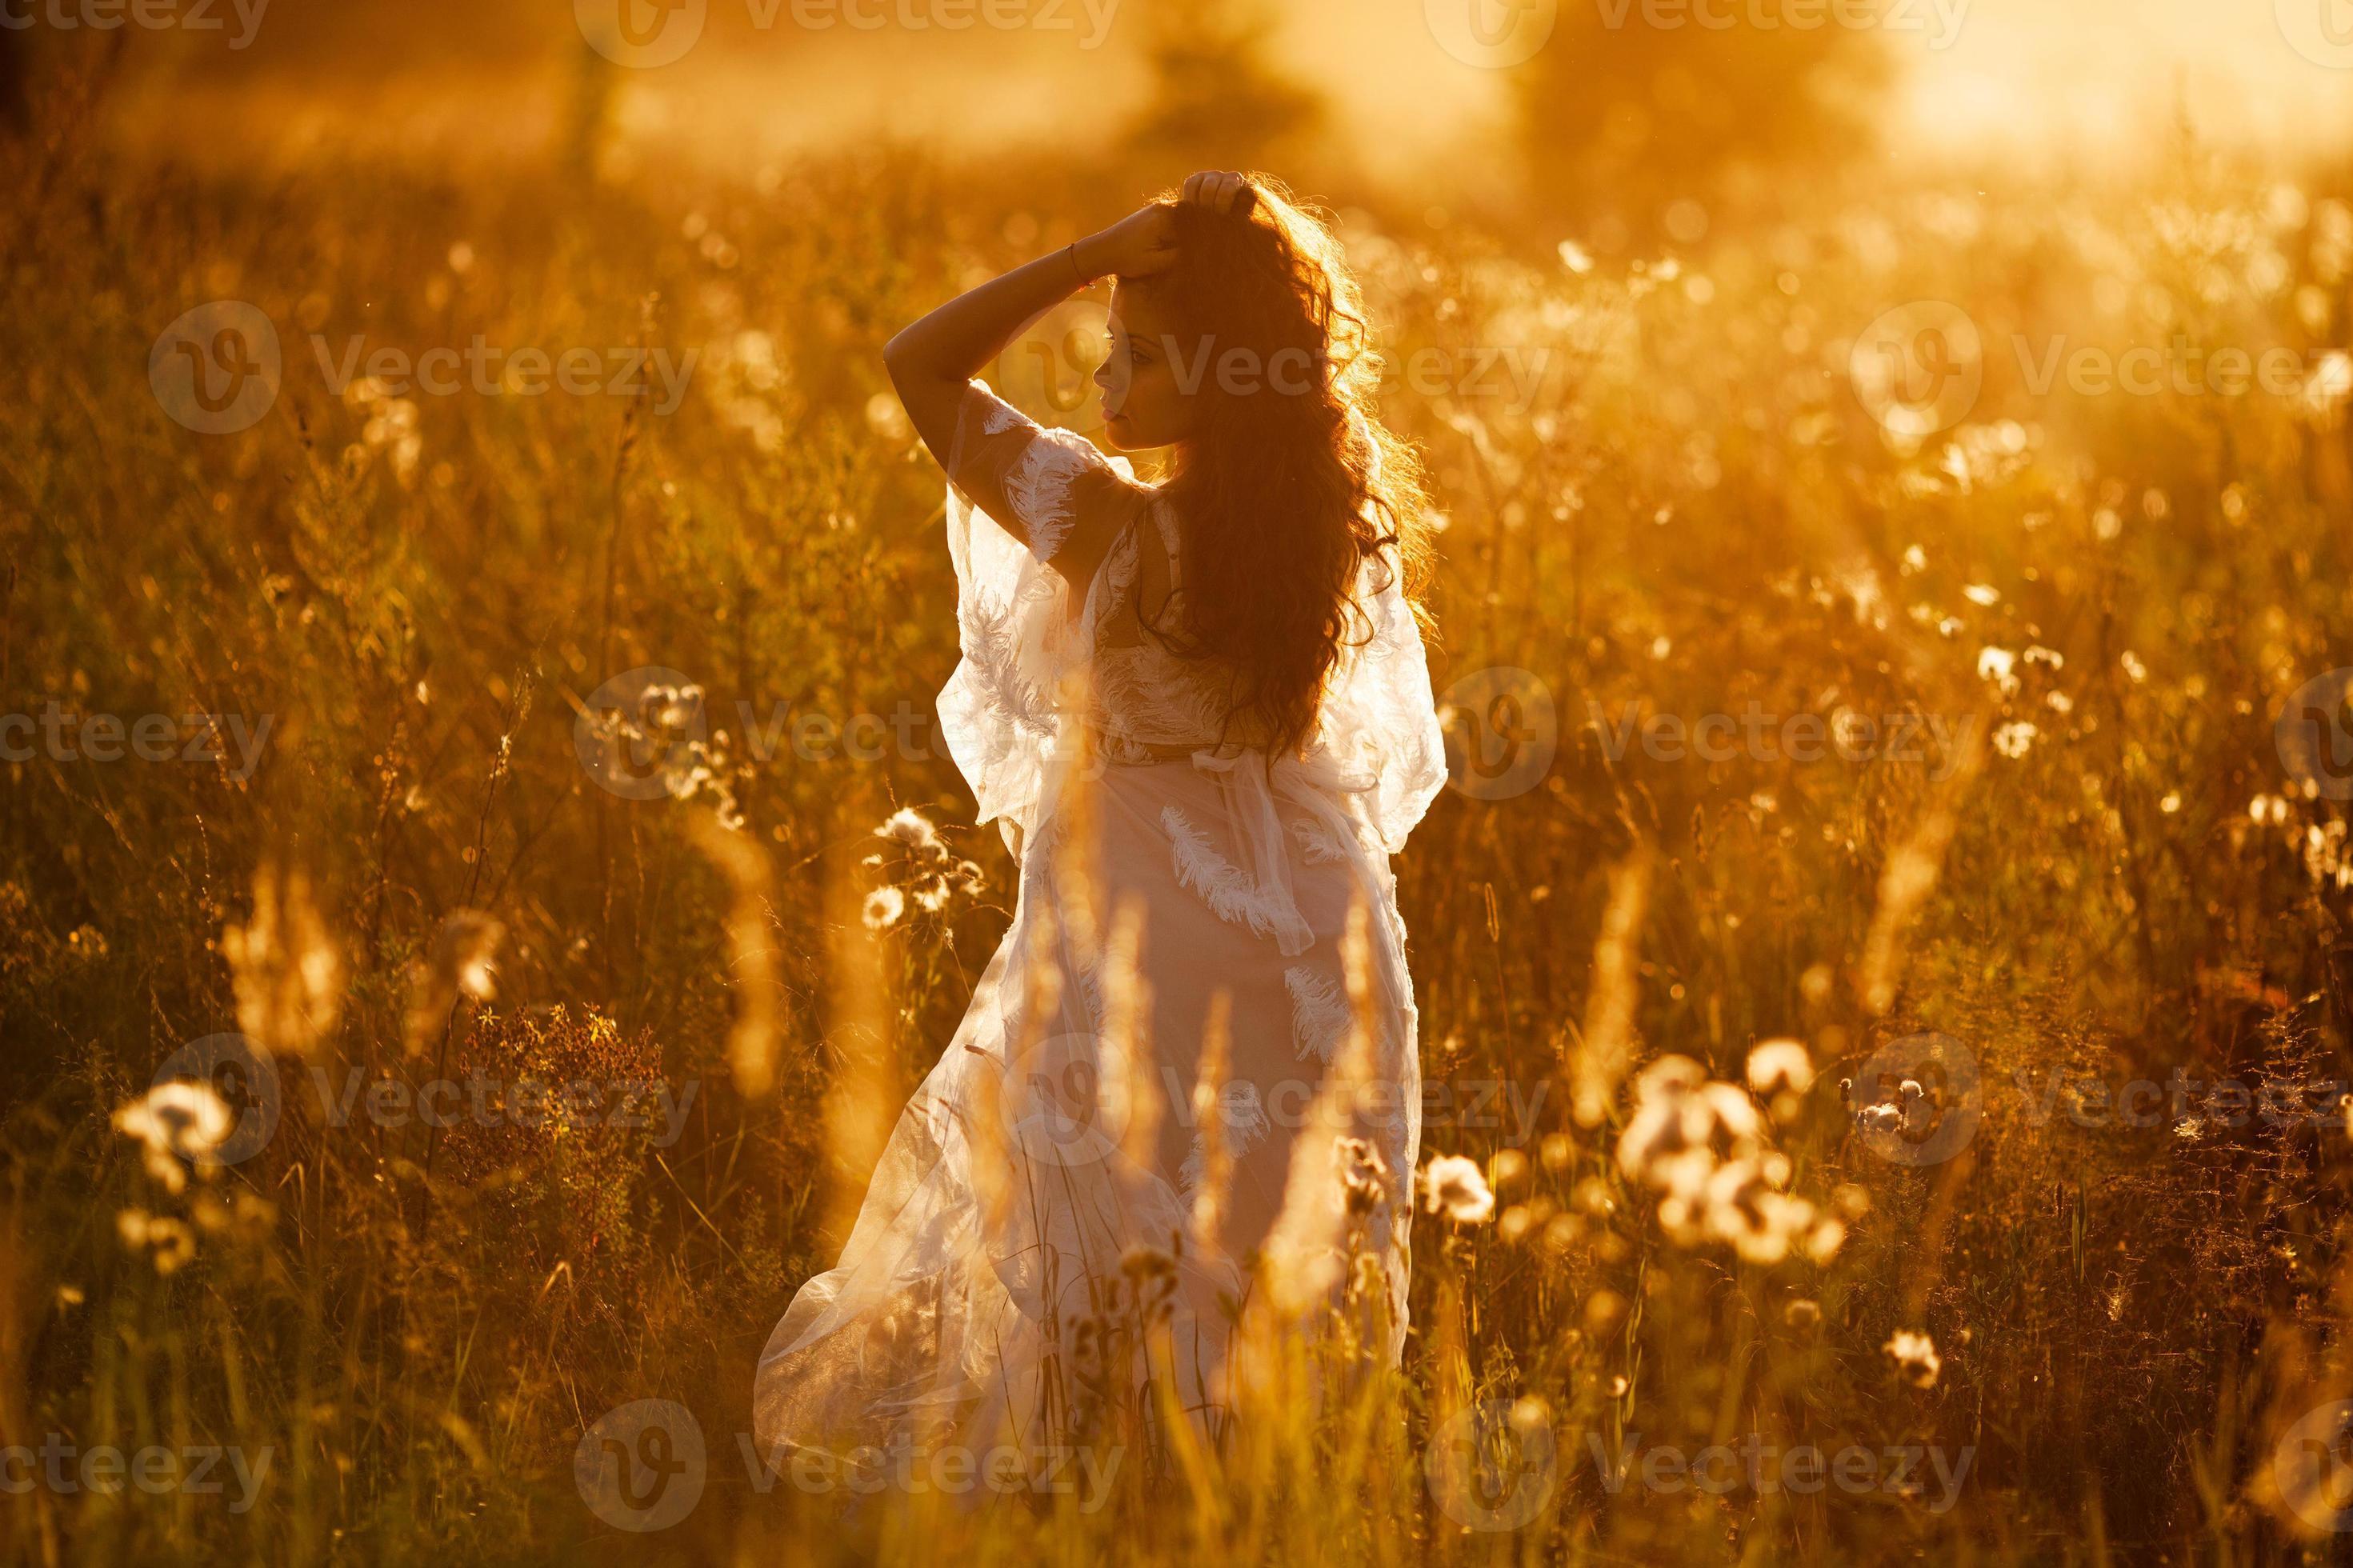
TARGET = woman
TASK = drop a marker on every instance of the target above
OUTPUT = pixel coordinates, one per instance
(1201, 710)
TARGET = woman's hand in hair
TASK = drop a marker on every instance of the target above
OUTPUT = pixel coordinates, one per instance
(1144, 241)
(1220, 190)
(1137, 246)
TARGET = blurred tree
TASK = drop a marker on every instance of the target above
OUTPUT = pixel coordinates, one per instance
(1217, 101)
(1629, 117)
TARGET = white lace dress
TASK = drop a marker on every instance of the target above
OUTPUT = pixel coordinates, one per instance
(1028, 1212)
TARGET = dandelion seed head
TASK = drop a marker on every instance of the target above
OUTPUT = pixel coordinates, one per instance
(883, 908)
(177, 1119)
(1364, 1175)
(2015, 739)
(1916, 1357)
(1778, 1065)
(1452, 1184)
(911, 827)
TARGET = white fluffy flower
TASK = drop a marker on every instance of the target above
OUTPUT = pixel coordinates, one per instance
(1455, 1185)
(1916, 1357)
(1780, 1064)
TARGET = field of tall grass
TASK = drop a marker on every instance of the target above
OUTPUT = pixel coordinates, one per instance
(2028, 1221)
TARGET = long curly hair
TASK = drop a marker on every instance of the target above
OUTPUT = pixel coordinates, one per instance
(1290, 484)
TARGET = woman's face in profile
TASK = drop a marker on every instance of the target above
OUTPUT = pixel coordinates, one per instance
(1144, 402)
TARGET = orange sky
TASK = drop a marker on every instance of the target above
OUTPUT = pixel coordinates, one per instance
(2017, 80)
(2016, 77)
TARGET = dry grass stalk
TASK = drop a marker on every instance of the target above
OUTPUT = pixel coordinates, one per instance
(287, 976)
(752, 1043)
(863, 1100)
(1602, 1051)
(1910, 875)
(1208, 1117)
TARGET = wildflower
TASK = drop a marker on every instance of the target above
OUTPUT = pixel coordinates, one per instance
(930, 872)
(1453, 1184)
(178, 1119)
(1746, 1207)
(883, 908)
(1801, 1314)
(1364, 1175)
(1678, 1116)
(1916, 1357)
(1998, 665)
(1145, 1262)
(462, 963)
(1779, 1063)
(168, 1242)
(908, 827)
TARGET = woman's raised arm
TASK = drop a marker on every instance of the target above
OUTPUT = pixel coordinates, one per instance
(1036, 484)
(931, 361)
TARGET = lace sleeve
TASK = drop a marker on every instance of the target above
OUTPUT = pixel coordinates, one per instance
(1379, 723)
(1040, 485)
(1015, 493)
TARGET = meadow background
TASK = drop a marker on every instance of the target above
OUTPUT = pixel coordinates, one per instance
(1624, 282)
